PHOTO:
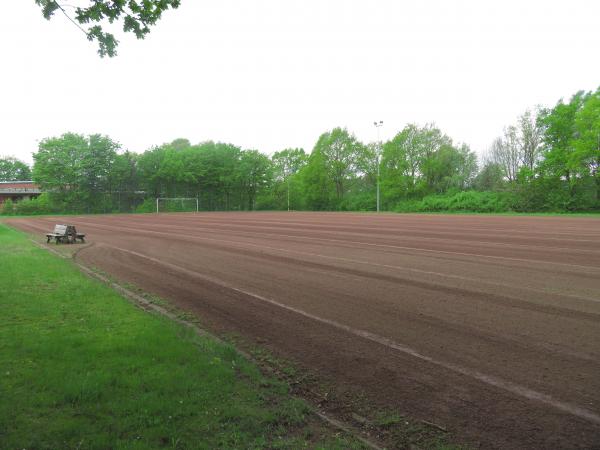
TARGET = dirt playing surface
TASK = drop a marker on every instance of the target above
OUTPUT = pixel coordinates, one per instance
(486, 325)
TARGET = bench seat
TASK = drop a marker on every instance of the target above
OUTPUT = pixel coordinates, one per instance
(65, 233)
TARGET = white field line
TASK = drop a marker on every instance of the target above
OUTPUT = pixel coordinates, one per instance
(594, 269)
(413, 226)
(506, 258)
(454, 241)
(140, 301)
(368, 263)
(208, 219)
(491, 380)
(425, 272)
(409, 228)
(211, 225)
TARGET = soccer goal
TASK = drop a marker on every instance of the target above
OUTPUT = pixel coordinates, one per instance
(179, 204)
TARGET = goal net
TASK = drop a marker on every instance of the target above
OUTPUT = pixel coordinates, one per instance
(179, 204)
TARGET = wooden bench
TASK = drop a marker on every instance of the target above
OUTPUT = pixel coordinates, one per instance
(66, 234)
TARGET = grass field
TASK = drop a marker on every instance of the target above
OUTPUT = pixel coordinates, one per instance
(80, 367)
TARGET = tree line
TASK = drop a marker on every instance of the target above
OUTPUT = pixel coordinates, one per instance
(547, 161)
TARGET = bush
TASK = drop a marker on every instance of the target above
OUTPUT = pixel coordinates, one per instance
(467, 201)
(43, 204)
(40, 205)
(8, 207)
(408, 206)
(269, 203)
(360, 201)
(147, 206)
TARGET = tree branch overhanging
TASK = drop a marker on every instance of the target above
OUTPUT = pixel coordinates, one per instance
(137, 17)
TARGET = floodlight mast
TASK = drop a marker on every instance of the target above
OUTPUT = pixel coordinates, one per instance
(378, 125)
(288, 193)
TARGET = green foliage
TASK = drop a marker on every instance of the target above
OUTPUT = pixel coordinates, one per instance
(284, 192)
(341, 154)
(90, 174)
(364, 200)
(467, 201)
(423, 160)
(222, 176)
(317, 187)
(277, 195)
(147, 206)
(288, 162)
(8, 207)
(559, 138)
(255, 174)
(79, 171)
(490, 178)
(39, 205)
(11, 169)
(137, 17)
(572, 156)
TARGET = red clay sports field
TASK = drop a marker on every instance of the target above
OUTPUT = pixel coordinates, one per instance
(487, 325)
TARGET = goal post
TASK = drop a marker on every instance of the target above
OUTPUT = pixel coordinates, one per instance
(177, 204)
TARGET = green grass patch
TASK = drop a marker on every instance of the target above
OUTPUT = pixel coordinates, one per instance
(82, 368)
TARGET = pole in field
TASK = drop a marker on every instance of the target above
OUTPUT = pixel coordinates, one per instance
(378, 125)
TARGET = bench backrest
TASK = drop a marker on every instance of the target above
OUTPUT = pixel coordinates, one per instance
(65, 230)
(60, 229)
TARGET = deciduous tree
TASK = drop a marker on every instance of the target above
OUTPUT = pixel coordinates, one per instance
(341, 153)
(137, 16)
(531, 134)
(76, 169)
(12, 169)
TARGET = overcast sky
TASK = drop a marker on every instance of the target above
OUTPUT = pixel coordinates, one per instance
(276, 74)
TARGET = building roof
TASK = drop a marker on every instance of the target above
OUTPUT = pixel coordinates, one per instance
(18, 182)
(19, 187)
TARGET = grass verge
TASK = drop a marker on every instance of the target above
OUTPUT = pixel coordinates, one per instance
(80, 367)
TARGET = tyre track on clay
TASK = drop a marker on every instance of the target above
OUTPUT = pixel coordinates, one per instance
(440, 286)
(414, 388)
(430, 234)
(551, 254)
(465, 330)
(475, 294)
(484, 378)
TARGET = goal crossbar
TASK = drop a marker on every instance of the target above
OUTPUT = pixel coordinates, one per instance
(178, 199)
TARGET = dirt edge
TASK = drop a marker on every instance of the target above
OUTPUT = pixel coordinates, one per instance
(149, 306)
